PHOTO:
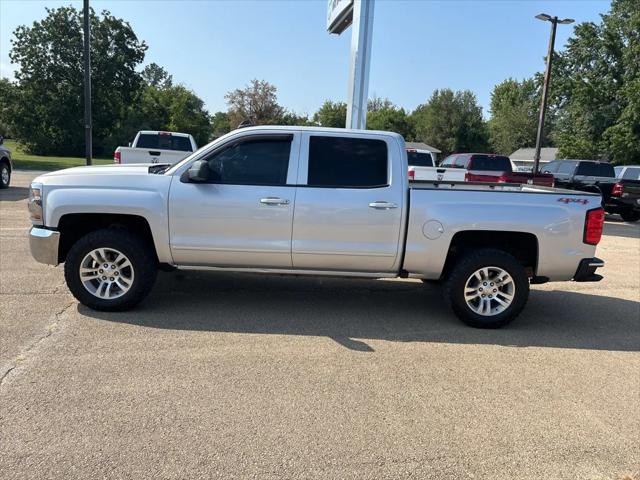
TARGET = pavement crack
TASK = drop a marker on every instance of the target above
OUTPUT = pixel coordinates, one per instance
(50, 329)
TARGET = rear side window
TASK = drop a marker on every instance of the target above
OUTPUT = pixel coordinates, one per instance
(253, 162)
(347, 162)
(631, 174)
(567, 167)
(593, 169)
(164, 142)
(493, 163)
(419, 159)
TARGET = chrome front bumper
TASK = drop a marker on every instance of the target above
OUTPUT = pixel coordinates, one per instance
(44, 245)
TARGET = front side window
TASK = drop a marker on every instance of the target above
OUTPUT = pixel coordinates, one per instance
(252, 162)
(347, 162)
(567, 168)
(551, 167)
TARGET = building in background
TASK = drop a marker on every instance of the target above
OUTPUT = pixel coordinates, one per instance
(523, 157)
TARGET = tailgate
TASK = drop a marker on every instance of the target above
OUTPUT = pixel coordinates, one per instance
(543, 179)
(150, 155)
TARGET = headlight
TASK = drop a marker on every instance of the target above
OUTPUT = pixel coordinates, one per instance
(35, 203)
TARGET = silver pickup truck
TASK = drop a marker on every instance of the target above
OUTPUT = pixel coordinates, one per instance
(312, 201)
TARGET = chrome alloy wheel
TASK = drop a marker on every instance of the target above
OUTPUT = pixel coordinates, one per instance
(5, 175)
(106, 273)
(489, 291)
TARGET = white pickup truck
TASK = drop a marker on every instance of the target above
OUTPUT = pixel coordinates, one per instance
(153, 146)
(312, 201)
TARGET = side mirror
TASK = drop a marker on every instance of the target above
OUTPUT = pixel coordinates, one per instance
(199, 171)
(1, 139)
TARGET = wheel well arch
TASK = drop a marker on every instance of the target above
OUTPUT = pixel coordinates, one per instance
(522, 245)
(7, 161)
(74, 226)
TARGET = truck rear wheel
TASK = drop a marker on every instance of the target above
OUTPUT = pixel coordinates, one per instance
(631, 216)
(110, 270)
(487, 288)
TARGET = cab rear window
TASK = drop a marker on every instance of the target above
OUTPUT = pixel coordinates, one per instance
(419, 159)
(164, 142)
(493, 163)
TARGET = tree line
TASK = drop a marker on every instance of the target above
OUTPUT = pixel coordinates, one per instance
(594, 107)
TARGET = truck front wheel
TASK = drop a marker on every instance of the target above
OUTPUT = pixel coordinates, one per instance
(487, 288)
(110, 269)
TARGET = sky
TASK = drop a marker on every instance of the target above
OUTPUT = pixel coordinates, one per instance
(214, 46)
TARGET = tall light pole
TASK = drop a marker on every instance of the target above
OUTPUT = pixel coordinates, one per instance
(547, 78)
(87, 83)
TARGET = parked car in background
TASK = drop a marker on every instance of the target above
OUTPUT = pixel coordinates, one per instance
(486, 167)
(619, 195)
(422, 165)
(6, 167)
(313, 201)
(152, 146)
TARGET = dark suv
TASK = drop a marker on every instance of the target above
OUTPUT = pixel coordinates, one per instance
(598, 177)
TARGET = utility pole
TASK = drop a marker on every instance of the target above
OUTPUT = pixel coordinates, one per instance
(547, 80)
(87, 84)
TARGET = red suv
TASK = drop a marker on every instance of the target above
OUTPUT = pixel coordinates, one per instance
(486, 167)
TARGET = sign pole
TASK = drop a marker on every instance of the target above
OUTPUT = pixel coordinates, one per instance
(357, 95)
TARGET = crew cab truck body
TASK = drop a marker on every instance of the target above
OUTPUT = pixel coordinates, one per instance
(312, 201)
(152, 146)
(620, 195)
(484, 167)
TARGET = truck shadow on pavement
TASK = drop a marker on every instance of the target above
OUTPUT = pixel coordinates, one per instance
(14, 194)
(353, 311)
(618, 228)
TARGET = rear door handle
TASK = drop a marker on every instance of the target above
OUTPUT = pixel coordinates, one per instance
(380, 205)
(274, 201)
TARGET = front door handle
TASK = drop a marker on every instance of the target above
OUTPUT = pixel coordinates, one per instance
(274, 201)
(380, 205)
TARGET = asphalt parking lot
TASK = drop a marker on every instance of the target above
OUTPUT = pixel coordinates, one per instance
(246, 376)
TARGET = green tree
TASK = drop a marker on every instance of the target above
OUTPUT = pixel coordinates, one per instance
(452, 122)
(597, 78)
(156, 76)
(331, 114)
(220, 124)
(49, 115)
(8, 96)
(514, 115)
(391, 118)
(257, 102)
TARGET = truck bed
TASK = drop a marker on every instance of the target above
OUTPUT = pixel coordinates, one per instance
(491, 187)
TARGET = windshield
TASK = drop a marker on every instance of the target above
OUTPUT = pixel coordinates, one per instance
(419, 159)
(197, 153)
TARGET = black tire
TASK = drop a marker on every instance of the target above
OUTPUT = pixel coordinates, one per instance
(632, 216)
(456, 281)
(139, 253)
(5, 174)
